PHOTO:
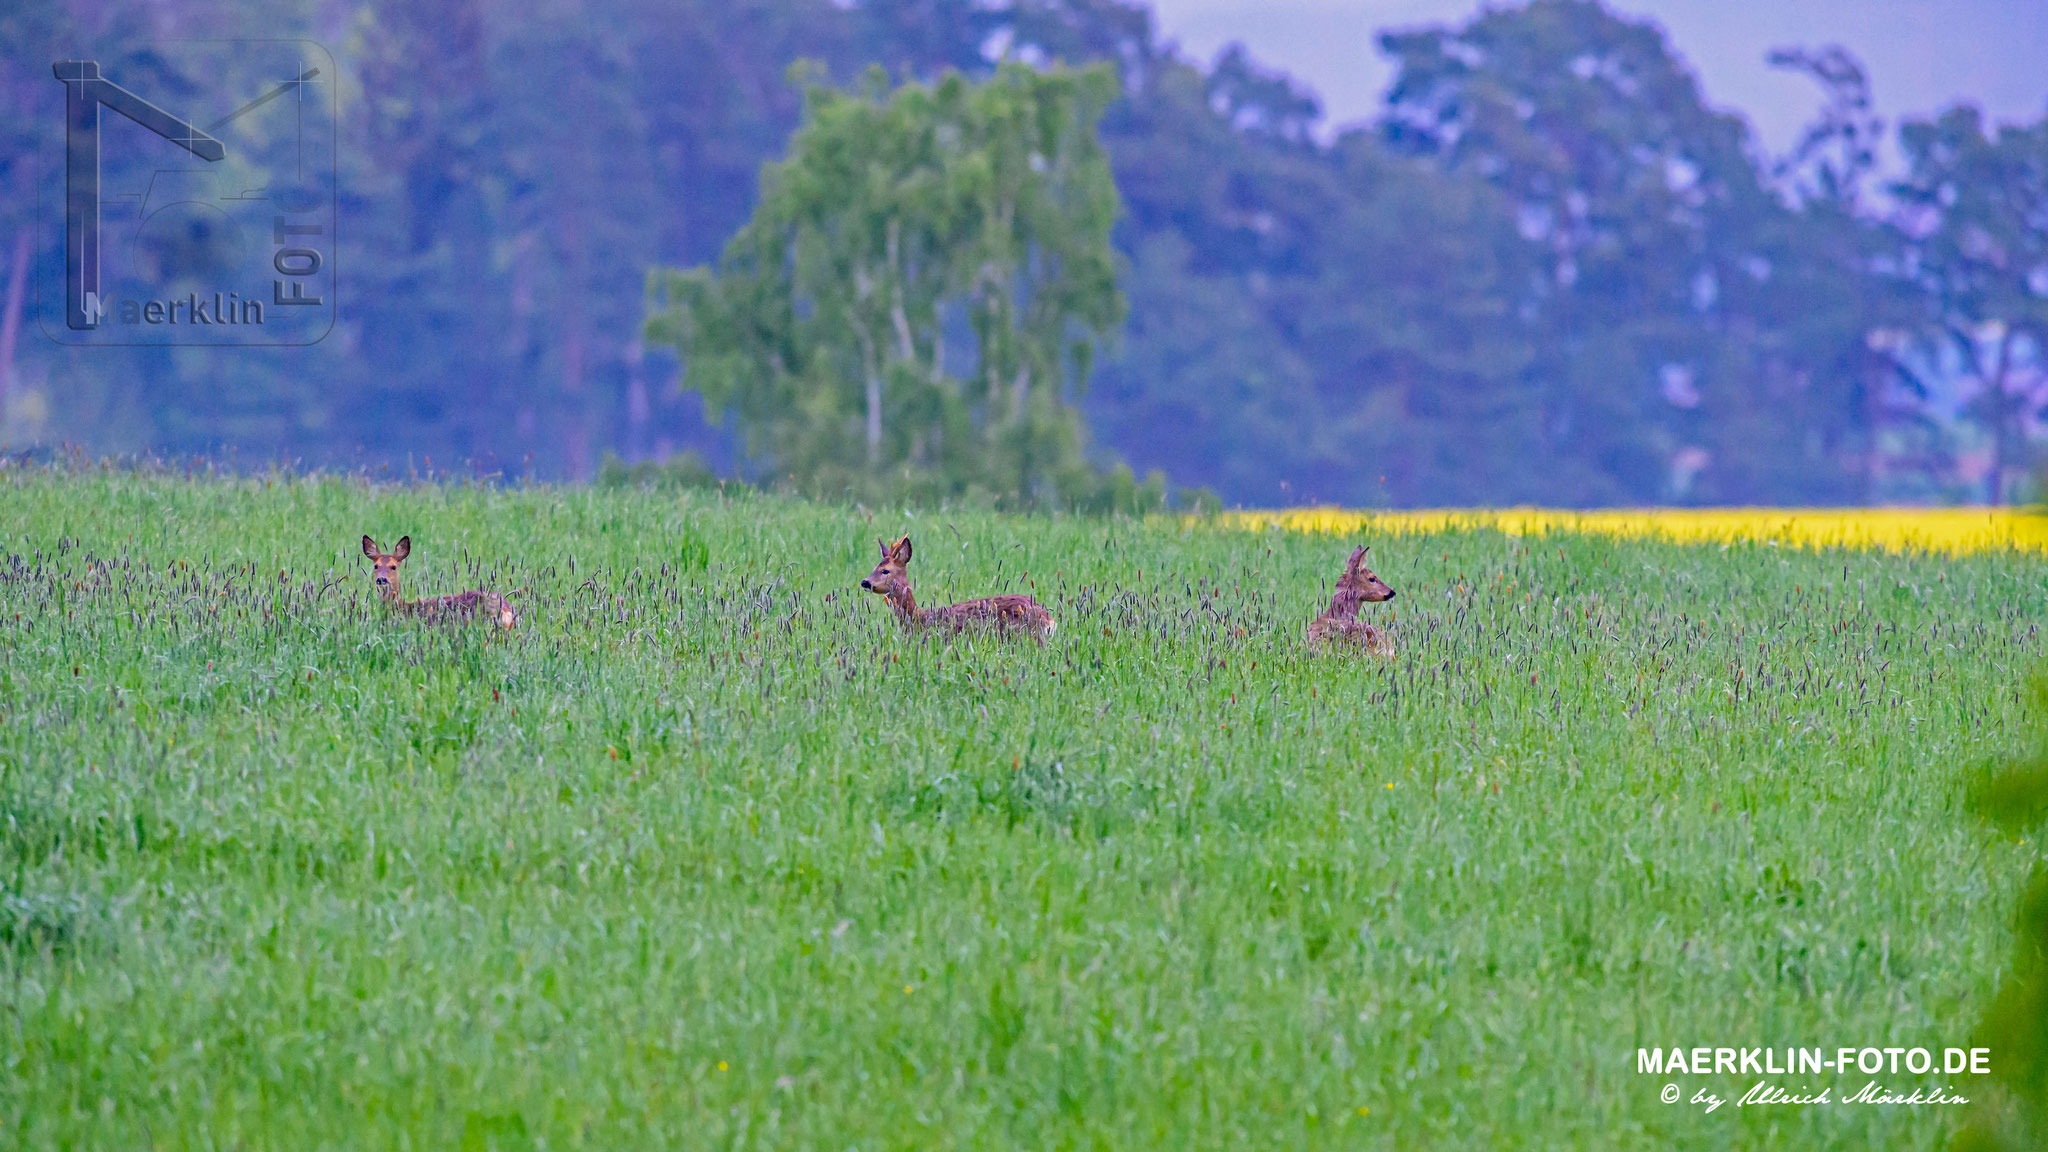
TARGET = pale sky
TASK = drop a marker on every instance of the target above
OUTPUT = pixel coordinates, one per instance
(1922, 54)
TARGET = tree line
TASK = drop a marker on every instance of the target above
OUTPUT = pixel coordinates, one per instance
(1549, 272)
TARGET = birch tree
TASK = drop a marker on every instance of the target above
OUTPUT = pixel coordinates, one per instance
(920, 290)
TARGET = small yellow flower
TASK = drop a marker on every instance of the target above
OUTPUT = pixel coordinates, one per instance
(1364, 1111)
(906, 989)
(721, 1065)
(1390, 787)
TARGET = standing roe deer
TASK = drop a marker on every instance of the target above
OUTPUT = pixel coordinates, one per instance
(1339, 623)
(1000, 614)
(461, 606)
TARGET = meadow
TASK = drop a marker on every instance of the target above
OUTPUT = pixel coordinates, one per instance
(707, 853)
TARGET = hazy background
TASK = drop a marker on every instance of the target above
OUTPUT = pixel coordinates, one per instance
(1561, 253)
(1923, 54)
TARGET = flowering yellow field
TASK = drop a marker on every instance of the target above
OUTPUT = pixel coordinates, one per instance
(1951, 531)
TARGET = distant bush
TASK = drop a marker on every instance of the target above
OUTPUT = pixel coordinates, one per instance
(1082, 490)
(1118, 491)
(687, 470)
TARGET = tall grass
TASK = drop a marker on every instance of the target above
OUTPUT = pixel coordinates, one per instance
(708, 854)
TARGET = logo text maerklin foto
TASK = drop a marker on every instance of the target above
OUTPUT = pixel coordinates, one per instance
(207, 221)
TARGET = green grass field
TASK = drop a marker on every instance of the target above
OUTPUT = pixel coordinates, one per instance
(708, 854)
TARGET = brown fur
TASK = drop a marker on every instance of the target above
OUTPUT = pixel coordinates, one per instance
(473, 604)
(1002, 615)
(1339, 625)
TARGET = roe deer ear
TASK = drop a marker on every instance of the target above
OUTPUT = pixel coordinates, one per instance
(369, 548)
(1357, 559)
(404, 548)
(902, 550)
(883, 545)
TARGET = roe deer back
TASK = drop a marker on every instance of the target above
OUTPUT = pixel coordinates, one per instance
(473, 604)
(1002, 615)
(1339, 624)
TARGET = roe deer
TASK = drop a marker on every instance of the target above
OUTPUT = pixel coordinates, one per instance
(1339, 624)
(999, 614)
(461, 606)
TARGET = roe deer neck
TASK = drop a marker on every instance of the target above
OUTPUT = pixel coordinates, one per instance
(905, 604)
(1344, 604)
(398, 603)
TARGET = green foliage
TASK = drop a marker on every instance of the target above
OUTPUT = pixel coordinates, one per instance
(2014, 797)
(713, 856)
(976, 211)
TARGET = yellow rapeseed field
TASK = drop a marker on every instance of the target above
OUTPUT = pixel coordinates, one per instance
(1950, 531)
